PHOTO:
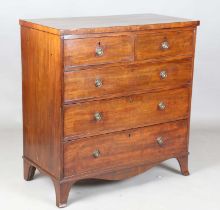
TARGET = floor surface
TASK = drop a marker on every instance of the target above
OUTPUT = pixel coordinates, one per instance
(161, 188)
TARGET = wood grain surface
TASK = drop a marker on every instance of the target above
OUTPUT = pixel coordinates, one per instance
(125, 79)
(83, 51)
(106, 24)
(148, 45)
(125, 149)
(41, 93)
(125, 113)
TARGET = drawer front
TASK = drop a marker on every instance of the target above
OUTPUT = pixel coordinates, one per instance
(96, 117)
(166, 43)
(118, 80)
(125, 149)
(90, 51)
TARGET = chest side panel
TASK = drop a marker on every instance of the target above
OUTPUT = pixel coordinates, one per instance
(41, 87)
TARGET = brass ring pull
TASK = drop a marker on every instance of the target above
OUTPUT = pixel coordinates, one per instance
(98, 83)
(97, 116)
(96, 153)
(163, 74)
(160, 140)
(165, 45)
(99, 51)
(162, 105)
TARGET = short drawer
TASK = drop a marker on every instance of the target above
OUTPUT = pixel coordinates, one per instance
(89, 51)
(127, 78)
(165, 43)
(97, 117)
(118, 150)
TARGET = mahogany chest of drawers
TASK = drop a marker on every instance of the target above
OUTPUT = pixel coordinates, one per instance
(105, 97)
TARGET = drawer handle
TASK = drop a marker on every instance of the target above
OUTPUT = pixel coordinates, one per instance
(165, 45)
(98, 83)
(162, 105)
(163, 74)
(99, 51)
(160, 140)
(96, 153)
(97, 116)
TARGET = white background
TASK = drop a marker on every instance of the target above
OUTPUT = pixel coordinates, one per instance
(205, 112)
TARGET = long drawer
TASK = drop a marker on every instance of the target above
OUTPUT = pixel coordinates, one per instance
(98, 117)
(125, 149)
(121, 79)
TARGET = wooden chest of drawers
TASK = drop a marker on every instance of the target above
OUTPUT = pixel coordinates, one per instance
(105, 97)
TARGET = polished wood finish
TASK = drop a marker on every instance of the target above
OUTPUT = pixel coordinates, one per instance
(183, 162)
(62, 190)
(126, 173)
(125, 149)
(83, 51)
(41, 85)
(131, 120)
(119, 80)
(148, 45)
(107, 24)
(29, 171)
(125, 113)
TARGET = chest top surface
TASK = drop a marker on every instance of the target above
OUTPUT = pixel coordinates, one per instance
(107, 24)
